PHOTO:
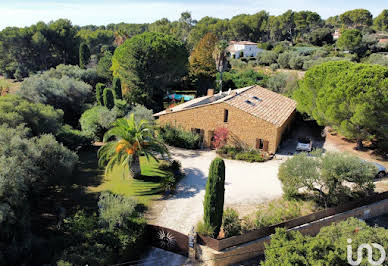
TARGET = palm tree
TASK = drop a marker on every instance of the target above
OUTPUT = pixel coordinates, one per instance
(220, 54)
(126, 141)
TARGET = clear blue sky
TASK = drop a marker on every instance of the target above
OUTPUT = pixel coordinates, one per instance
(102, 12)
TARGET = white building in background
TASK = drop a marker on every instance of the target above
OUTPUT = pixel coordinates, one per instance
(244, 48)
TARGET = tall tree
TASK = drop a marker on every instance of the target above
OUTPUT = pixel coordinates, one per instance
(117, 88)
(99, 93)
(202, 67)
(220, 57)
(350, 40)
(126, 141)
(357, 18)
(381, 21)
(352, 98)
(214, 196)
(147, 65)
(109, 99)
(84, 55)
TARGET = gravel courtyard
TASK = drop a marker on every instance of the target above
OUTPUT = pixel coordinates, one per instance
(246, 185)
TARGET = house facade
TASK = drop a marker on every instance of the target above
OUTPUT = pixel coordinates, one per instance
(244, 48)
(255, 117)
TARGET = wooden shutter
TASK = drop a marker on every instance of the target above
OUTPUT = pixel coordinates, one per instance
(265, 145)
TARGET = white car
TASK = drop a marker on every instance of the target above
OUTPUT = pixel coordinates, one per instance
(304, 144)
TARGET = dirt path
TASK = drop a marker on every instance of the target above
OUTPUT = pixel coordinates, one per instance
(246, 185)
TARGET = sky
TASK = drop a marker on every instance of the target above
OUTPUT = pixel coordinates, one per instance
(102, 12)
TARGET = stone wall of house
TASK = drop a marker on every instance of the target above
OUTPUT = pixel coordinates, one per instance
(243, 127)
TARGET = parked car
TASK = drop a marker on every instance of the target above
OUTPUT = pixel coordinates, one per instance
(304, 144)
(381, 170)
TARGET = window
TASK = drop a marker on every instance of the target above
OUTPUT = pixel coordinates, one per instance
(259, 144)
(226, 115)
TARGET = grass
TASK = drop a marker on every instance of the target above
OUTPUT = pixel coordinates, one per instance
(144, 190)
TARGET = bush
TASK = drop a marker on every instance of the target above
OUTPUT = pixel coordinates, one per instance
(116, 210)
(330, 171)
(239, 79)
(109, 99)
(267, 58)
(95, 121)
(276, 212)
(142, 113)
(296, 62)
(99, 93)
(277, 82)
(204, 229)
(73, 138)
(168, 182)
(117, 88)
(288, 247)
(380, 59)
(220, 137)
(180, 138)
(40, 118)
(274, 67)
(214, 196)
(284, 59)
(66, 93)
(231, 223)
(250, 156)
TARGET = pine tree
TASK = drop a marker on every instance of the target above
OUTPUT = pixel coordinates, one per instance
(117, 88)
(214, 197)
(99, 91)
(84, 55)
(109, 99)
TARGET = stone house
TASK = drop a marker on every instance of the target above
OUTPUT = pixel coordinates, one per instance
(254, 116)
(246, 48)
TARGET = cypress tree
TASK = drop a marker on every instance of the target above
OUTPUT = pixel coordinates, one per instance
(84, 55)
(214, 197)
(117, 88)
(109, 99)
(99, 91)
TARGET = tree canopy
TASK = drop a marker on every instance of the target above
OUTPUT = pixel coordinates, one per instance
(352, 98)
(147, 65)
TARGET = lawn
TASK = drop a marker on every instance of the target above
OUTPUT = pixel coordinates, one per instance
(145, 189)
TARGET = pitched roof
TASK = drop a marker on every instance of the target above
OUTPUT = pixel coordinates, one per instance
(255, 100)
(243, 42)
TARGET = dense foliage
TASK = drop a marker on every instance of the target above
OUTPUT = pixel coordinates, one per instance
(351, 98)
(40, 118)
(327, 177)
(60, 90)
(147, 65)
(115, 234)
(240, 153)
(84, 55)
(96, 120)
(329, 247)
(28, 166)
(214, 196)
(179, 137)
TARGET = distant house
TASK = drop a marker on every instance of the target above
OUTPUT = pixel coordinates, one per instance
(336, 34)
(244, 48)
(255, 117)
(383, 41)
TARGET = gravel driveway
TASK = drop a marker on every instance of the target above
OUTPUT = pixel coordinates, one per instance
(246, 185)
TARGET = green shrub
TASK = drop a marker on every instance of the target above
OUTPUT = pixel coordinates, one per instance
(142, 113)
(231, 223)
(267, 58)
(99, 93)
(95, 121)
(250, 156)
(84, 55)
(214, 196)
(276, 212)
(168, 182)
(109, 99)
(274, 66)
(277, 82)
(116, 210)
(204, 229)
(284, 59)
(180, 138)
(296, 62)
(265, 45)
(117, 88)
(73, 138)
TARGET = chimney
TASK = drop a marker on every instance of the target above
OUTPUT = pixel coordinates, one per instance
(210, 92)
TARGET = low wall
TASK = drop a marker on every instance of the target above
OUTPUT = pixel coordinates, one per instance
(254, 248)
(263, 232)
